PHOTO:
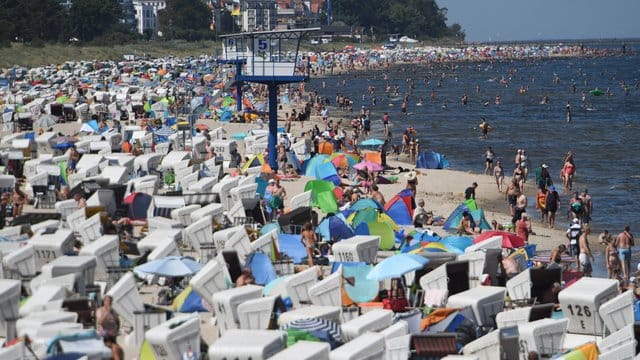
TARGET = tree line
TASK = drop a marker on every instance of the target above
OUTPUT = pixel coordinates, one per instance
(420, 19)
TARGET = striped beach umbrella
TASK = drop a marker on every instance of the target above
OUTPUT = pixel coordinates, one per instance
(315, 325)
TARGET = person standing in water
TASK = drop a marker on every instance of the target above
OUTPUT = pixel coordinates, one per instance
(489, 155)
(569, 113)
(623, 242)
(485, 128)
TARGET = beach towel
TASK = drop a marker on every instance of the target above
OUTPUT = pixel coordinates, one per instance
(435, 317)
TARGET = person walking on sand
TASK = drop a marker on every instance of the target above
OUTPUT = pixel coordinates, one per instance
(573, 234)
(586, 257)
(623, 242)
(498, 173)
(488, 156)
(552, 204)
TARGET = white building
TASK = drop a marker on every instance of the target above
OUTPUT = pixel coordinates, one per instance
(147, 15)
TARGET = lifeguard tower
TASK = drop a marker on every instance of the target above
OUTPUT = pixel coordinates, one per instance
(270, 58)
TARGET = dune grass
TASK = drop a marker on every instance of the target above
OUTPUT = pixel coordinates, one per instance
(30, 56)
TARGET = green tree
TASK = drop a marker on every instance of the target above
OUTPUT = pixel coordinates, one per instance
(93, 18)
(184, 18)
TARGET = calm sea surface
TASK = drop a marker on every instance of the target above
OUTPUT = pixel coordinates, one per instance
(603, 135)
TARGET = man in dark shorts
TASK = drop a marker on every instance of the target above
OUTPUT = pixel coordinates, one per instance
(573, 234)
(470, 192)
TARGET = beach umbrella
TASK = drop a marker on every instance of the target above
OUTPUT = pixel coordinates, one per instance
(368, 165)
(396, 266)
(366, 204)
(436, 247)
(372, 142)
(315, 324)
(170, 266)
(343, 160)
(458, 242)
(335, 228)
(509, 240)
(165, 131)
(359, 289)
(45, 121)
(587, 351)
(295, 335)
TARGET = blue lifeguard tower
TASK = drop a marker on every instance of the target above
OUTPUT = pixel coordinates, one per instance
(270, 58)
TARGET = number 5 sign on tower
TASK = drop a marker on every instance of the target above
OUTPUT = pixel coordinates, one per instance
(261, 47)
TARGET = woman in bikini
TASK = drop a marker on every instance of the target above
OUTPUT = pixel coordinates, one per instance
(613, 262)
(498, 172)
(518, 175)
(309, 239)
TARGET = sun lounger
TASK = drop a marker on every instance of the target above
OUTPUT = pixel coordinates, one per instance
(91, 229)
(618, 312)
(212, 278)
(543, 336)
(215, 211)
(106, 250)
(581, 301)
(486, 302)
(360, 248)
(21, 261)
(199, 232)
(365, 346)
(49, 247)
(223, 189)
(83, 266)
(255, 314)
(327, 292)
(183, 214)
(304, 350)
(298, 286)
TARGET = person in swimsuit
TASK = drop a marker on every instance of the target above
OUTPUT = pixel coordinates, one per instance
(524, 164)
(309, 239)
(612, 261)
(541, 203)
(552, 204)
(623, 242)
(107, 320)
(511, 195)
(498, 172)
(518, 175)
(488, 155)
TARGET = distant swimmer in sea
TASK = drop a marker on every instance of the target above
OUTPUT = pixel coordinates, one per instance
(485, 128)
(419, 103)
(498, 100)
(445, 104)
(545, 100)
(464, 100)
(569, 113)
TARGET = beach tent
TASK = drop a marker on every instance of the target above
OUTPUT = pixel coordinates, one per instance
(335, 228)
(400, 208)
(453, 220)
(138, 205)
(322, 195)
(290, 244)
(379, 228)
(431, 160)
(189, 301)
(261, 268)
(254, 161)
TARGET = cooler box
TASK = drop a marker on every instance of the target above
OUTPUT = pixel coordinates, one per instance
(618, 312)
(126, 298)
(375, 320)
(199, 232)
(304, 350)
(22, 261)
(331, 313)
(223, 190)
(543, 336)
(106, 249)
(216, 211)
(248, 345)
(327, 292)
(52, 246)
(486, 347)
(486, 302)
(360, 248)
(298, 285)
(581, 301)
(365, 346)
(173, 338)
(84, 266)
(256, 314)
(183, 214)
(224, 147)
(225, 305)
(212, 278)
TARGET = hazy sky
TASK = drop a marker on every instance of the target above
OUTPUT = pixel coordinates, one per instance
(501, 20)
